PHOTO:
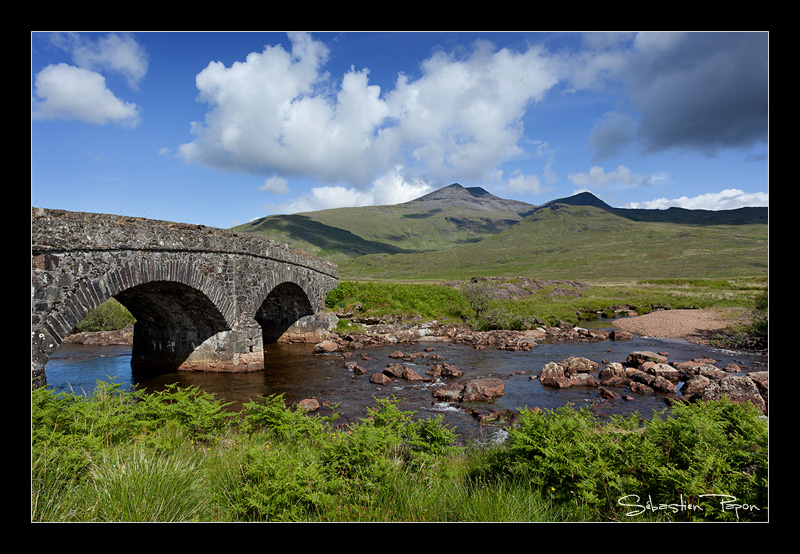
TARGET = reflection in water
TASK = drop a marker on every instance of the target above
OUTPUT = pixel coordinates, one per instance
(295, 371)
(76, 368)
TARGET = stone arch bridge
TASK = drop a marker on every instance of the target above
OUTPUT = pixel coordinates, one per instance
(203, 298)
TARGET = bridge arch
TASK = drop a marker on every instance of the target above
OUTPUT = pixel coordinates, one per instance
(285, 304)
(203, 298)
(153, 290)
(176, 325)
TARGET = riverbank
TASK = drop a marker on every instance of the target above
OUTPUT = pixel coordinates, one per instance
(695, 326)
(122, 336)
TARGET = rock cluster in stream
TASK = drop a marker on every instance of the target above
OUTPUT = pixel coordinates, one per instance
(643, 372)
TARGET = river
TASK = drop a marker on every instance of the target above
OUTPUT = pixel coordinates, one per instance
(298, 373)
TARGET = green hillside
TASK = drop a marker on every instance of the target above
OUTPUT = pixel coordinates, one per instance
(589, 243)
(308, 233)
(448, 217)
(457, 233)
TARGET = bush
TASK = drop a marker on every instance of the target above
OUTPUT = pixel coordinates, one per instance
(270, 413)
(198, 412)
(74, 428)
(387, 439)
(108, 316)
(562, 453)
(297, 468)
(281, 482)
(710, 448)
(478, 295)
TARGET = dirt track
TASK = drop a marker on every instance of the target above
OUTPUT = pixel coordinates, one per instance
(696, 326)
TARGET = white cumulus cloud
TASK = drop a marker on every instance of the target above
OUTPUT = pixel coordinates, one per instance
(67, 92)
(280, 112)
(390, 188)
(275, 185)
(113, 53)
(525, 184)
(80, 91)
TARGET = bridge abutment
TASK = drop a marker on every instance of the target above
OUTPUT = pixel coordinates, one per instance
(226, 351)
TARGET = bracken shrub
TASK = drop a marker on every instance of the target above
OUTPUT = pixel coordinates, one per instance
(566, 453)
(178, 456)
(67, 430)
(281, 482)
(387, 439)
(200, 413)
(271, 414)
(696, 463)
(298, 468)
(713, 455)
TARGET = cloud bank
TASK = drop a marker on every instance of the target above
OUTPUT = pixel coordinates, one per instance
(728, 199)
(700, 91)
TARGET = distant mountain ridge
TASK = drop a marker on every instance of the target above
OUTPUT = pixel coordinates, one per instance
(455, 217)
(441, 219)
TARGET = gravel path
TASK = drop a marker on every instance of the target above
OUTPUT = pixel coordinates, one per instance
(696, 326)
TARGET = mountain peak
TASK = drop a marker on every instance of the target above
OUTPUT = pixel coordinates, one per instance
(454, 191)
(456, 195)
(580, 199)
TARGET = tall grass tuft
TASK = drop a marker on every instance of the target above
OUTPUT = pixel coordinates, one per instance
(137, 485)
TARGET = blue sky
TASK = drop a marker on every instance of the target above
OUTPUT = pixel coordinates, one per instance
(222, 128)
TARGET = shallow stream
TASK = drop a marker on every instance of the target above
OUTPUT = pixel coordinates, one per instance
(295, 371)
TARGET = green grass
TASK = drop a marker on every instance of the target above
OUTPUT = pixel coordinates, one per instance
(447, 304)
(371, 298)
(643, 296)
(117, 456)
